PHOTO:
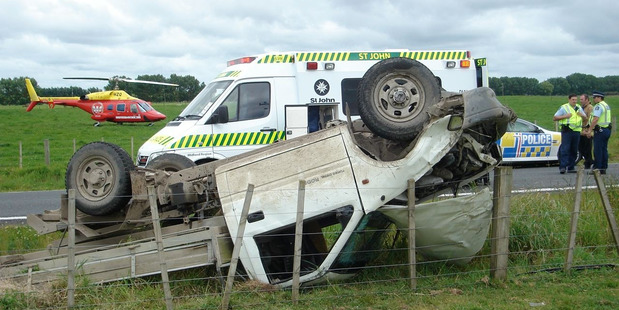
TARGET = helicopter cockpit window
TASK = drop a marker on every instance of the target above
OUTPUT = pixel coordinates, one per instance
(144, 106)
(249, 101)
(200, 104)
(134, 108)
(120, 107)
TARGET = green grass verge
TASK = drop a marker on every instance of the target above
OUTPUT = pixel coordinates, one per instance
(538, 238)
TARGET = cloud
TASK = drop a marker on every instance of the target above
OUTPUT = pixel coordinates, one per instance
(49, 39)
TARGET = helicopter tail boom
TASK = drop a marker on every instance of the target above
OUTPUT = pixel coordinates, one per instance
(51, 101)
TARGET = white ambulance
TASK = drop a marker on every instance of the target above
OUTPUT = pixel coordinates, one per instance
(262, 99)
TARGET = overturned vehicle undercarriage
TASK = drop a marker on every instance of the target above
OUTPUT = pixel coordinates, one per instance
(355, 181)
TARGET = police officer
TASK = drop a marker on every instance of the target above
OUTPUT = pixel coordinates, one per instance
(600, 128)
(570, 116)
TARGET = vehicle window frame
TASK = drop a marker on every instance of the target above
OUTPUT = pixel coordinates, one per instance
(247, 103)
(520, 126)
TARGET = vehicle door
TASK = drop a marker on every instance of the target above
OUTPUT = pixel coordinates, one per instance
(252, 119)
(133, 113)
(127, 112)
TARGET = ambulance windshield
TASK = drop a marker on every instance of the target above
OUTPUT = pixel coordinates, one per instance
(201, 103)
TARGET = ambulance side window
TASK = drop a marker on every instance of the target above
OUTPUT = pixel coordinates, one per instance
(249, 101)
(232, 103)
(349, 95)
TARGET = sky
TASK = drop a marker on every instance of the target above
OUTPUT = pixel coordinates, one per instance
(51, 39)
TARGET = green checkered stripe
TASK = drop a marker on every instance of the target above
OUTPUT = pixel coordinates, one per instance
(228, 139)
(348, 56)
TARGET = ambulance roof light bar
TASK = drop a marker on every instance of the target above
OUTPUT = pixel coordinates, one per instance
(242, 60)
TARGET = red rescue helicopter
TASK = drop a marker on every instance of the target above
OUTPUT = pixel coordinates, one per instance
(113, 105)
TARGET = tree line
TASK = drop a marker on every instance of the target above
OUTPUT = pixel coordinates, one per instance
(576, 83)
(13, 90)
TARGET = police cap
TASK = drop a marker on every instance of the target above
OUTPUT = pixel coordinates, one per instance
(598, 94)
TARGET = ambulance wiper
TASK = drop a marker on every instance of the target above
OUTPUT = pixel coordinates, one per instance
(192, 116)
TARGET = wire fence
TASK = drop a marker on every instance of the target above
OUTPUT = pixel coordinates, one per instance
(18, 154)
(539, 235)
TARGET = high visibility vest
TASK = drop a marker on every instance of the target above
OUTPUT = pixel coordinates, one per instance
(574, 122)
(604, 119)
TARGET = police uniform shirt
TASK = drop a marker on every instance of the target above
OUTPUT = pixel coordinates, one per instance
(563, 111)
(597, 112)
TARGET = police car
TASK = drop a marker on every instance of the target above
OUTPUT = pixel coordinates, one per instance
(525, 142)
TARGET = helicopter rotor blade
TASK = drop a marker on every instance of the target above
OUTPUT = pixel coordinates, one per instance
(147, 82)
(116, 79)
(88, 78)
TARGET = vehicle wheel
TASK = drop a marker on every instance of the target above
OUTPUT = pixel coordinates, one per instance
(170, 162)
(99, 173)
(394, 96)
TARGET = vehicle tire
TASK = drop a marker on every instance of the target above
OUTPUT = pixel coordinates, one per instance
(100, 174)
(394, 96)
(170, 162)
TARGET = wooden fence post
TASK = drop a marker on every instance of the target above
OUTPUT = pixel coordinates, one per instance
(574, 222)
(500, 222)
(46, 146)
(234, 260)
(71, 250)
(412, 257)
(21, 157)
(612, 222)
(298, 242)
(152, 197)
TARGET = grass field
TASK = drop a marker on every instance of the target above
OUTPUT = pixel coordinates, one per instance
(62, 126)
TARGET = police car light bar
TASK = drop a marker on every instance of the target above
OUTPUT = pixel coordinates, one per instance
(243, 60)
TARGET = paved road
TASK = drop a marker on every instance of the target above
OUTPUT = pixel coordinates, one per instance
(549, 178)
(14, 206)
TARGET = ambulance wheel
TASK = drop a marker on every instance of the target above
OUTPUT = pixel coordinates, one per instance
(170, 162)
(394, 96)
(100, 174)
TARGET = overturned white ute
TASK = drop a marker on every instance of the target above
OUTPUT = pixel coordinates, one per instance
(355, 175)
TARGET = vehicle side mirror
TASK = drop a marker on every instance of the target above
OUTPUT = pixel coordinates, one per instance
(220, 116)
